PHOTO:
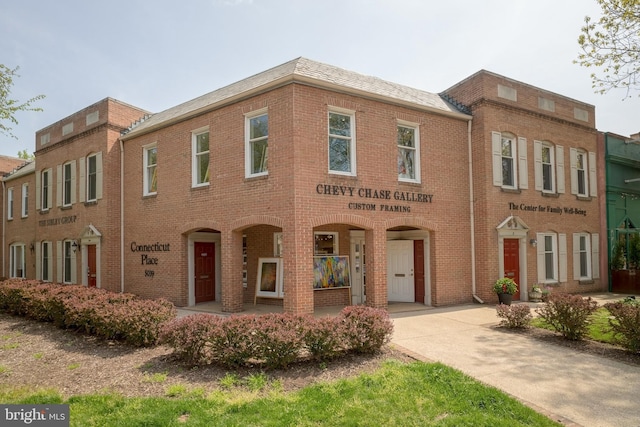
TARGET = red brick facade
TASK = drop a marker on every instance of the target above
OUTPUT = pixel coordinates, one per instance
(406, 239)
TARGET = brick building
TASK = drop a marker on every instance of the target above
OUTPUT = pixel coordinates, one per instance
(71, 231)
(535, 185)
(307, 185)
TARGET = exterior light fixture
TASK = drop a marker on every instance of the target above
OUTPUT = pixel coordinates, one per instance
(533, 242)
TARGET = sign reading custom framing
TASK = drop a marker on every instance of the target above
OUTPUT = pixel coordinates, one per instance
(269, 283)
(331, 272)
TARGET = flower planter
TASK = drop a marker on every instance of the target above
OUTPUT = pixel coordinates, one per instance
(505, 299)
(535, 296)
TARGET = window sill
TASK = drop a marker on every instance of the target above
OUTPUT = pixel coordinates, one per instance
(552, 195)
(199, 187)
(256, 178)
(586, 282)
(66, 208)
(91, 203)
(511, 190)
(584, 198)
(150, 196)
(410, 183)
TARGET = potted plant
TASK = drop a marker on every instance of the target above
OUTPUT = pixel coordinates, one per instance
(535, 295)
(505, 288)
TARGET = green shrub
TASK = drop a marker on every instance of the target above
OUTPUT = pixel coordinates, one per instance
(514, 316)
(323, 337)
(91, 311)
(279, 339)
(188, 337)
(275, 340)
(568, 314)
(365, 329)
(625, 323)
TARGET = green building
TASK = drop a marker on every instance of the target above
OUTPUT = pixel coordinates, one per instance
(622, 175)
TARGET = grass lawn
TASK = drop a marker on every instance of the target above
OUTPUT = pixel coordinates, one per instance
(415, 394)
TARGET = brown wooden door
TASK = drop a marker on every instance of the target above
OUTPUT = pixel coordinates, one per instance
(418, 268)
(512, 262)
(92, 273)
(204, 253)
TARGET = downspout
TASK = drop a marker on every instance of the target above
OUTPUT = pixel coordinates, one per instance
(472, 218)
(121, 216)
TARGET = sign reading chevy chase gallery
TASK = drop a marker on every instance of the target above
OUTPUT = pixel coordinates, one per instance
(367, 197)
(145, 258)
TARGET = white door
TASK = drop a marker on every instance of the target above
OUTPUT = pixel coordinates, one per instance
(358, 280)
(400, 285)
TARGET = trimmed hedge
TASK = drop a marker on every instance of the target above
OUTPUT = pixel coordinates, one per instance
(568, 314)
(93, 311)
(275, 340)
(625, 323)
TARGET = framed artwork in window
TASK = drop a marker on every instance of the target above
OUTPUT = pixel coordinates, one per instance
(331, 272)
(269, 283)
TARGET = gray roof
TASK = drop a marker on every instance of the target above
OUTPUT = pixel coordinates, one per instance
(304, 71)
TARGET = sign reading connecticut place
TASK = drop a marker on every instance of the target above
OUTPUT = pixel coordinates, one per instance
(34, 415)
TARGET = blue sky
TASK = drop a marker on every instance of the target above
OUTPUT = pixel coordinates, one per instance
(157, 54)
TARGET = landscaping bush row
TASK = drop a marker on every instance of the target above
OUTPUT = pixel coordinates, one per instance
(570, 315)
(98, 312)
(276, 340)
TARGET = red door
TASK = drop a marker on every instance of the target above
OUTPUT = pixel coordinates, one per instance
(418, 268)
(512, 262)
(204, 253)
(92, 276)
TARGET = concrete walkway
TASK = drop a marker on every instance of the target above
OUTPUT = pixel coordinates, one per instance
(573, 388)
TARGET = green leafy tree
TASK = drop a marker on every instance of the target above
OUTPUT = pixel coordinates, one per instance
(612, 44)
(9, 107)
(24, 154)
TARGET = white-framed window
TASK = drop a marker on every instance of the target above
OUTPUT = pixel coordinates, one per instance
(586, 256)
(277, 245)
(200, 158)
(25, 200)
(92, 178)
(549, 167)
(550, 248)
(46, 190)
(548, 181)
(342, 142)
(509, 161)
(552, 257)
(17, 264)
(408, 152)
(256, 144)
(325, 243)
(150, 168)
(46, 261)
(10, 203)
(67, 270)
(582, 256)
(583, 173)
(67, 181)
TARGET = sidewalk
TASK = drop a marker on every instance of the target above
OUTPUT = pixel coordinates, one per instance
(573, 388)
